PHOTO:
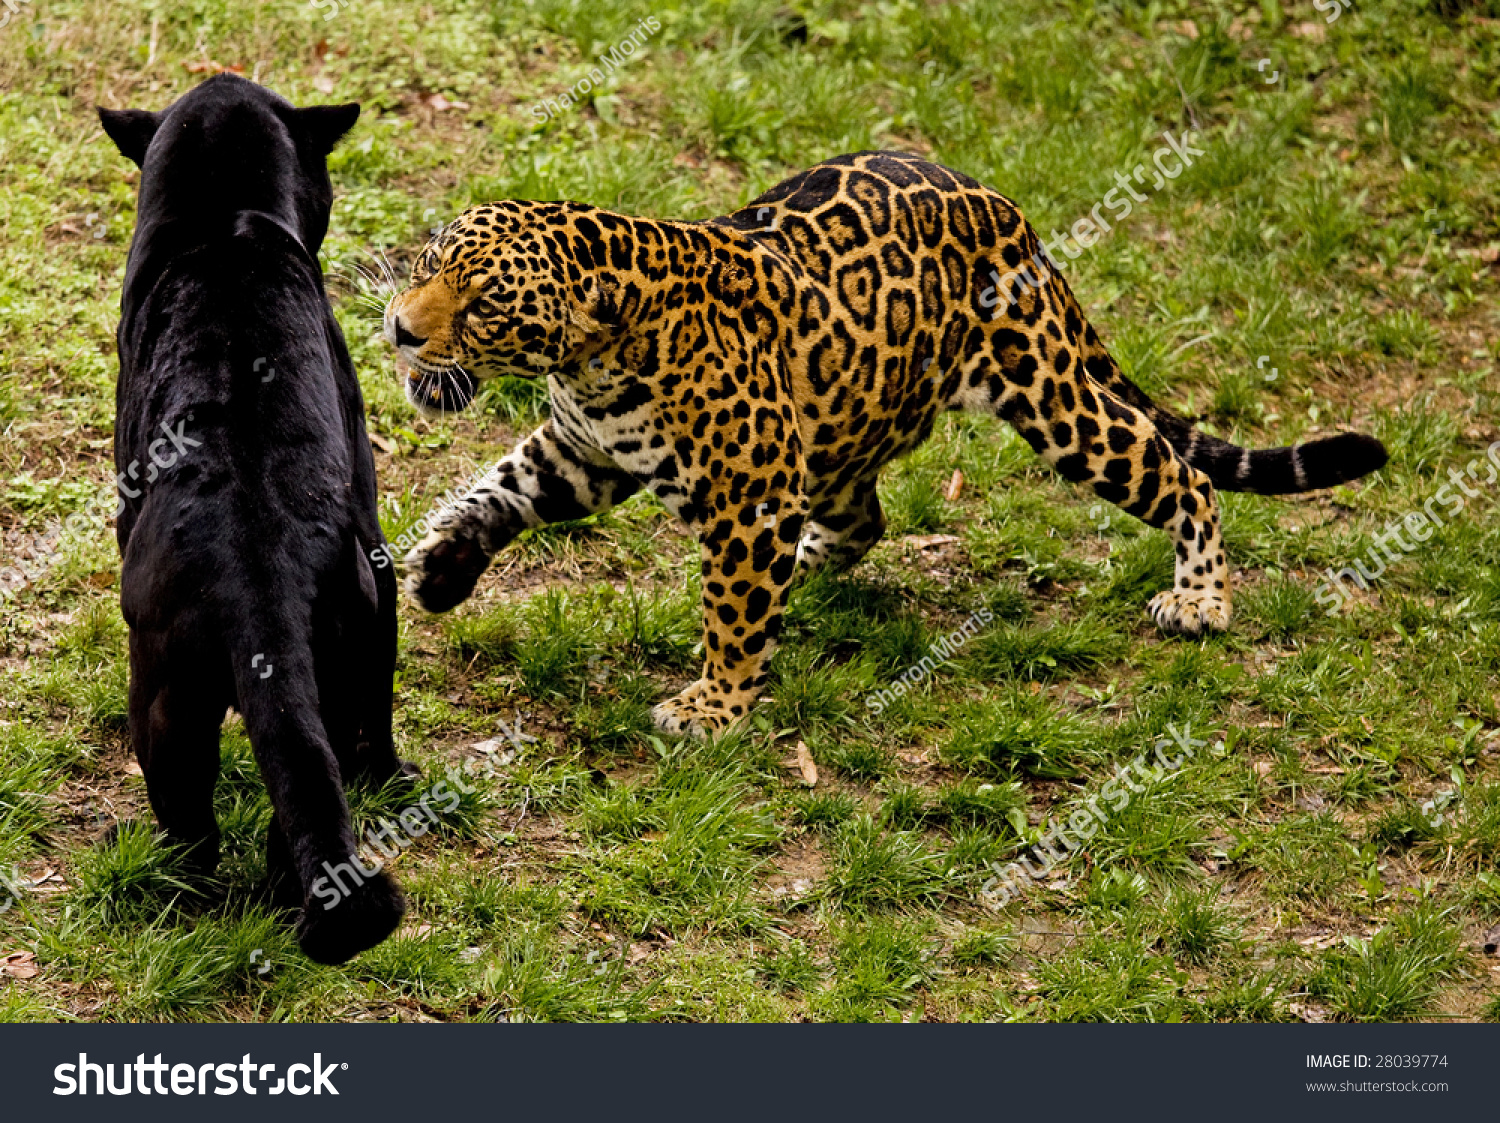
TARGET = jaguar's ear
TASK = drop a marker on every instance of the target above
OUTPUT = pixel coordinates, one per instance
(323, 126)
(131, 130)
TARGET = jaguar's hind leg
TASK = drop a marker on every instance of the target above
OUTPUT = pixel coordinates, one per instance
(749, 561)
(1115, 449)
(176, 708)
(842, 531)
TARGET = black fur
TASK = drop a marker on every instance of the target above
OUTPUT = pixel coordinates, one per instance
(254, 514)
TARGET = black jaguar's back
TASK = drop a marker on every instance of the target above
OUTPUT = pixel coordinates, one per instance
(248, 492)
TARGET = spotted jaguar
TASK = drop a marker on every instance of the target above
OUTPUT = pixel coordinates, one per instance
(756, 371)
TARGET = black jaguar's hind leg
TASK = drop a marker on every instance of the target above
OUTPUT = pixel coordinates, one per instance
(282, 882)
(356, 666)
(177, 704)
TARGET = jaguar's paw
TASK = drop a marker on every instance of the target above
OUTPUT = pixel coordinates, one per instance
(694, 712)
(443, 569)
(1190, 612)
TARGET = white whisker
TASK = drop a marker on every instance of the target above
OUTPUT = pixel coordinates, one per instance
(386, 269)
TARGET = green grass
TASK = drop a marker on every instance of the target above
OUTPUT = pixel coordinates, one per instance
(1329, 262)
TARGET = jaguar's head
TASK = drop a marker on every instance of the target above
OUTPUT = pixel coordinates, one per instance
(495, 293)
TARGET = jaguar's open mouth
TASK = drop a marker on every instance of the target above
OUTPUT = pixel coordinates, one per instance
(446, 390)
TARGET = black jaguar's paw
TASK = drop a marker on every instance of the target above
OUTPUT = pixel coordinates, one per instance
(443, 570)
(336, 927)
(376, 768)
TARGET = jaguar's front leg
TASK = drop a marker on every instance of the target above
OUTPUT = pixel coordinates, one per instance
(546, 479)
(749, 559)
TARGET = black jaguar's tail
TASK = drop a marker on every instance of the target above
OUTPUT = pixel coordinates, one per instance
(1321, 463)
(347, 908)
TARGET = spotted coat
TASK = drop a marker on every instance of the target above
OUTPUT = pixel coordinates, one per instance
(757, 371)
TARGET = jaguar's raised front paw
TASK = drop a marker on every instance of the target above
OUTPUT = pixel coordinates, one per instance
(443, 569)
(1190, 612)
(696, 712)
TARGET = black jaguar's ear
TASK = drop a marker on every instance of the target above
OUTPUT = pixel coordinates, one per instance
(323, 126)
(131, 130)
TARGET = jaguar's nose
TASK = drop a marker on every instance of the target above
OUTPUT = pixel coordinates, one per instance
(405, 338)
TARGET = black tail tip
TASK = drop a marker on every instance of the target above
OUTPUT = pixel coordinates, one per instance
(1348, 456)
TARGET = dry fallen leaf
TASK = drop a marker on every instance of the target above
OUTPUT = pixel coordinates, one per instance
(955, 486)
(384, 444)
(323, 84)
(928, 541)
(20, 965)
(502, 751)
(439, 103)
(806, 765)
(1322, 942)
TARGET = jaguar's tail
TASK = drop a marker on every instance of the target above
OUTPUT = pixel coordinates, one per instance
(1321, 463)
(1324, 462)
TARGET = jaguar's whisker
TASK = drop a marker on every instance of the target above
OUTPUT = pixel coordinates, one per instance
(389, 271)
